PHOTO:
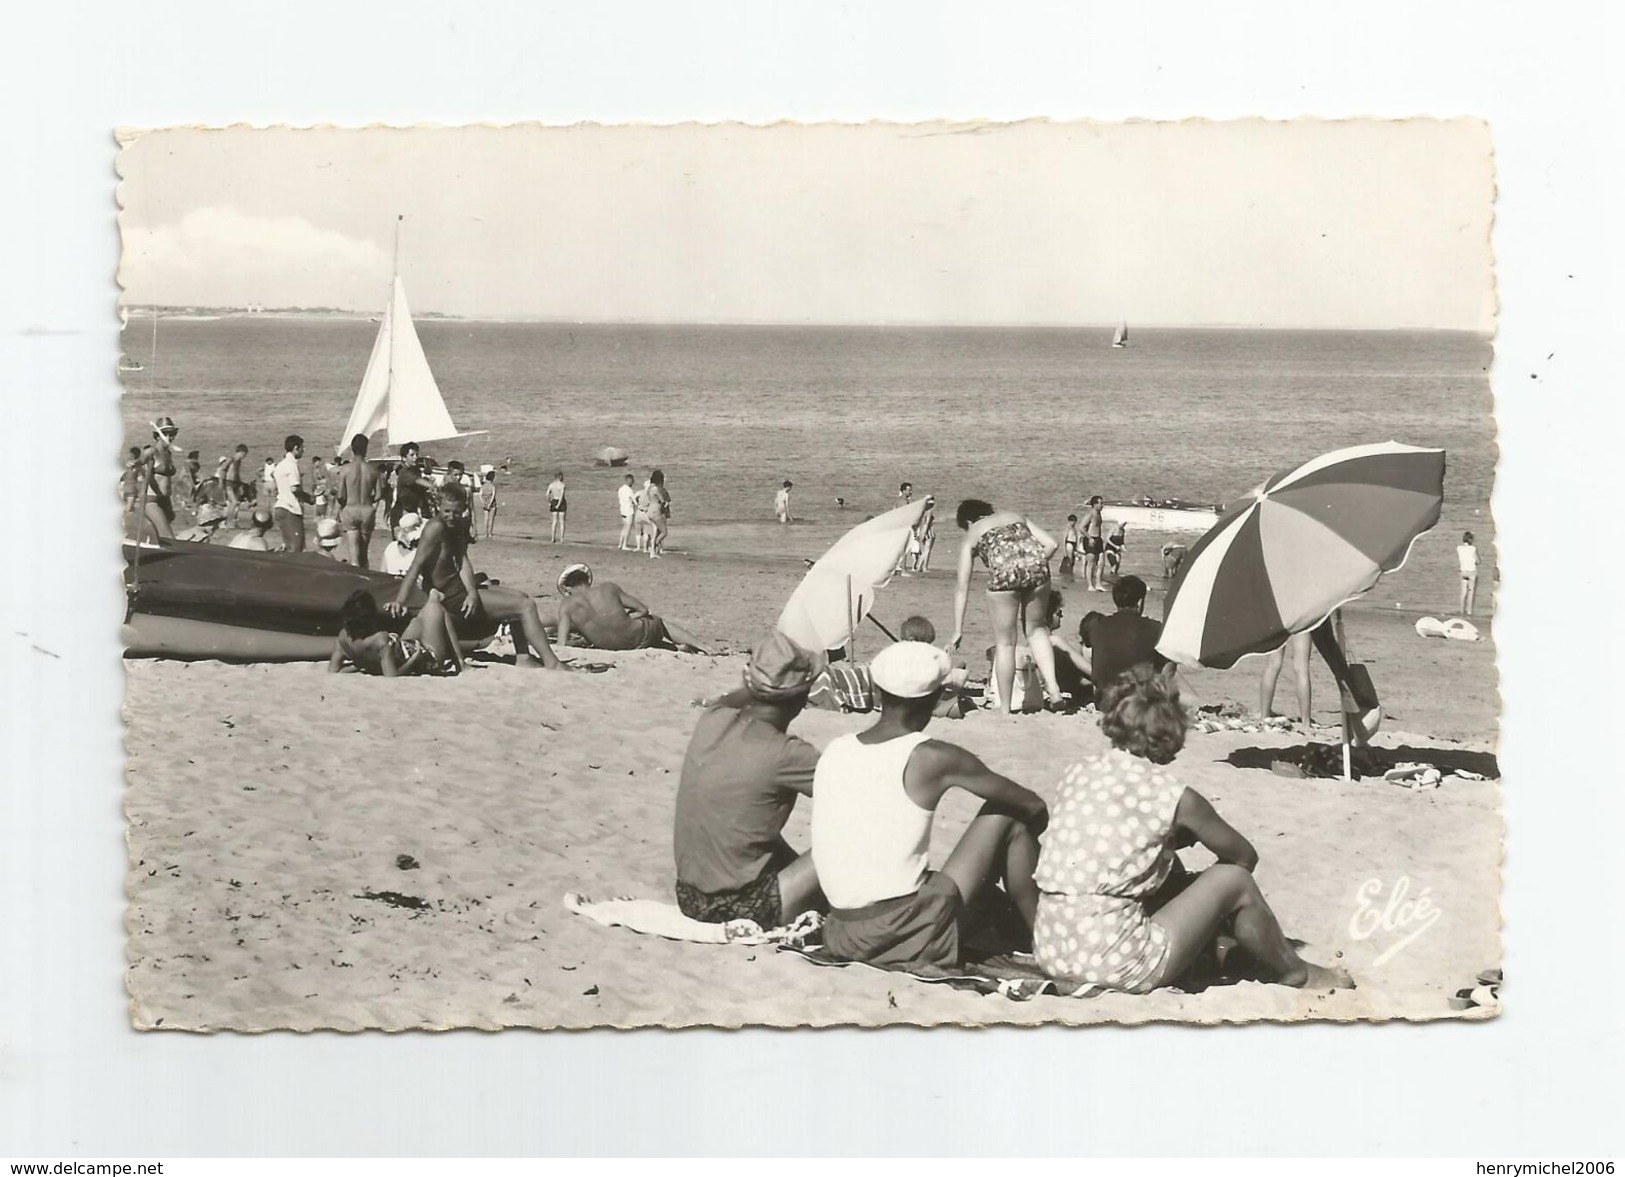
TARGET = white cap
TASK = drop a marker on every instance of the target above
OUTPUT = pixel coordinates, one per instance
(571, 570)
(910, 670)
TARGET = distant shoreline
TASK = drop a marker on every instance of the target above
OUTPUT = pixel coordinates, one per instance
(208, 314)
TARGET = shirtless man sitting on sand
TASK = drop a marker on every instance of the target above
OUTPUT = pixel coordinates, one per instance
(607, 617)
(442, 563)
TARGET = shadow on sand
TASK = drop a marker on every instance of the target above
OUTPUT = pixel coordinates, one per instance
(1373, 761)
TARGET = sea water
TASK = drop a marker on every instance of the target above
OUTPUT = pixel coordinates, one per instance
(1034, 419)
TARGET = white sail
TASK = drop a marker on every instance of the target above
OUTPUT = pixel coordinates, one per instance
(1120, 336)
(398, 393)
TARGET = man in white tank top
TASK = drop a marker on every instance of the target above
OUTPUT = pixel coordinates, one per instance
(874, 795)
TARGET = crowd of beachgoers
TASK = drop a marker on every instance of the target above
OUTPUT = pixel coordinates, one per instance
(1090, 882)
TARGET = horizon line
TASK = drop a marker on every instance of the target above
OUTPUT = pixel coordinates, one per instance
(144, 312)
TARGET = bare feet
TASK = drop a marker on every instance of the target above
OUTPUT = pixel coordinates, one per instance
(1320, 977)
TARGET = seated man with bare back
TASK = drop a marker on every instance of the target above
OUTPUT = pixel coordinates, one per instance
(443, 565)
(607, 617)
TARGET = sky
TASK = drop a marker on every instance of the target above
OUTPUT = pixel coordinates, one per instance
(1355, 224)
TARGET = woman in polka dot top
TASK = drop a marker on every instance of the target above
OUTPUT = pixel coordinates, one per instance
(1117, 908)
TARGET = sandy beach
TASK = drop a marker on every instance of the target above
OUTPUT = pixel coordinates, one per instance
(309, 850)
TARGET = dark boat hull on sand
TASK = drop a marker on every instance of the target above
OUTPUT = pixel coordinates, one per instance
(201, 601)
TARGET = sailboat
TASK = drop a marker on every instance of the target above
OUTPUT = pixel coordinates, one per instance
(1120, 336)
(398, 392)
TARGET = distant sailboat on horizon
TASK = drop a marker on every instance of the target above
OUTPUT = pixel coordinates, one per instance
(1120, 336)
(398, 393)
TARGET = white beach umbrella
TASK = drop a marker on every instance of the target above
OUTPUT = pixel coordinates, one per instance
(839, 589)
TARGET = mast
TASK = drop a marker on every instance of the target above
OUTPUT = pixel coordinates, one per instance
(389, 313)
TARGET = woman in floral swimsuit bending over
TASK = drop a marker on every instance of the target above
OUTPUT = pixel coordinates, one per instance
(1016, 551)
(1116, 907)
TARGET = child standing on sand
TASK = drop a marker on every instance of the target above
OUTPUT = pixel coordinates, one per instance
(558, 505)
(1467, 557)
(1069, 546)
(1116, 907)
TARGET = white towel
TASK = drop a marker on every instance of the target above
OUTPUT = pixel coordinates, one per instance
(654, 918)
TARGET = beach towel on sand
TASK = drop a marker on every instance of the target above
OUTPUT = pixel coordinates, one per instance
(1011, 975)
(843, 688)
(654, 918)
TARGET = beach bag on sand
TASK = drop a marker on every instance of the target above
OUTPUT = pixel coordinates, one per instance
(1028, 685)
(1457, 628)
(849, 688)
(843, 688)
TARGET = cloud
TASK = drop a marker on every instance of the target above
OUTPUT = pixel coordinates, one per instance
(221, 257)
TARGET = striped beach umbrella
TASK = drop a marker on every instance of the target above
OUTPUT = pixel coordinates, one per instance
(1280, 560)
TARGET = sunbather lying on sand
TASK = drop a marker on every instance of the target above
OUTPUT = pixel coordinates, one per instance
(1117, 908)
(607, 617)
(428, 644)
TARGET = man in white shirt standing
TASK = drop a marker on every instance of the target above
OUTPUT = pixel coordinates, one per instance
(628, 499)
(289, 511)
(1467, 556)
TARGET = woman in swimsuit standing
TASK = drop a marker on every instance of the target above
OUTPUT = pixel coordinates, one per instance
(657, 512)
(1016, 552)
(158, 468)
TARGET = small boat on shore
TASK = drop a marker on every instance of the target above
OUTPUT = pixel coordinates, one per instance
(193, 601)
(1163, 515)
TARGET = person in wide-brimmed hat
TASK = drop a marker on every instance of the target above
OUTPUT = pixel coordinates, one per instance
(740, 780)
(328, 539)
(253, 540)
(875, 794)
(400, 551)
(209, 519)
